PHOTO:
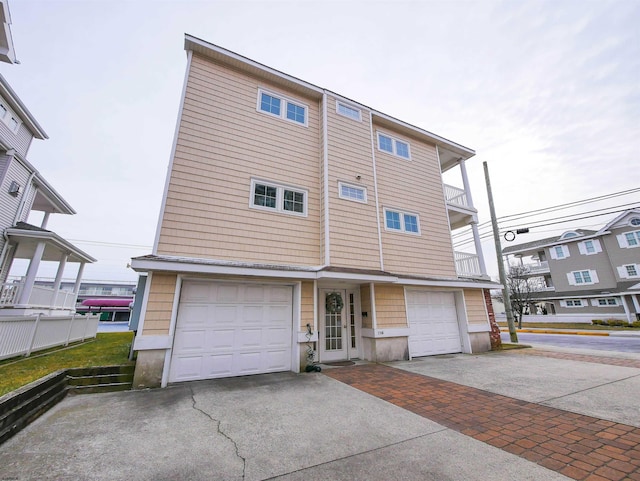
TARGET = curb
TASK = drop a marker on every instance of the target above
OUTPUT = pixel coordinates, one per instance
(561, 331)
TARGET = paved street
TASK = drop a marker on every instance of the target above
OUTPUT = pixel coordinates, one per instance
(600, 343)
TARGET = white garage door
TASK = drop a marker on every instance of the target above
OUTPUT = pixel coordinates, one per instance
(433, 323)
(226, 329)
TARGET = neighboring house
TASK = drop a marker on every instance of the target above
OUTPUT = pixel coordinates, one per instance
(23, 190)
(585, 272)
(294, 217)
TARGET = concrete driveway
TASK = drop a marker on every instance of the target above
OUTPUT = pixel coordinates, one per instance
(289, 426)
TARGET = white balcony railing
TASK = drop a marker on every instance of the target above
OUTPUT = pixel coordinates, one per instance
(540, 267)
(467, 264)
(456, 196)
(40, 296)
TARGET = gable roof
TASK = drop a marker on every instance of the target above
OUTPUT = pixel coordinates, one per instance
(21, 110)
(582, 233)
(618, 219)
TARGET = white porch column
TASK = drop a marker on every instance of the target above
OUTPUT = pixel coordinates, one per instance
(30, 278)
(56, 283)
(474, 223)
(626, 309)
(45, 220)
(76, 287)
(636, 304)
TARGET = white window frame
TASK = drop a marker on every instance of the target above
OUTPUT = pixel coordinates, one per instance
(350, 109)
(583, 303)
(582, 247)
(565, 251)
(606, 300)
(7, 116)
(280, 188)
(402, 213)
(634, 219)
(283, 107)
(623, 242)
(394, 145)
(624, 274)
(352, 186)
(593, 275)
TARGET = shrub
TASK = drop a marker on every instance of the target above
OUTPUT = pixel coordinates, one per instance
(616, 322)
(597, 322)
(635, 323)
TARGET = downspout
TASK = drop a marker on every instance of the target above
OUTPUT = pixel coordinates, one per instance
(325, 160)
(375, 190)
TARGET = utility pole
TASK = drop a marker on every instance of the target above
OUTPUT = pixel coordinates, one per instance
(503, 277)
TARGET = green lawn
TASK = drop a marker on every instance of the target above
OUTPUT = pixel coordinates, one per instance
(106, 349)
(571, 325)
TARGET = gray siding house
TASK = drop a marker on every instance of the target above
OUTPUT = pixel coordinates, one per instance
(586, 272)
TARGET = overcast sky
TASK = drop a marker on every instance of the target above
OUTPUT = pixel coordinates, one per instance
(547, 92)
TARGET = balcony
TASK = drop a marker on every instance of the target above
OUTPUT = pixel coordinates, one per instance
(467, 265)
(530, 270)
(461, 213)
(41, 297)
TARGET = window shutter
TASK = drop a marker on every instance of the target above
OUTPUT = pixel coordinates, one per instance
(594, 302)
(596, 244)
(622, 241)
(565, 249)
(563, 303)
(571, 279)
(582, 248)
(585, 302)
(552, 253)
(594, 276)
(622, 272)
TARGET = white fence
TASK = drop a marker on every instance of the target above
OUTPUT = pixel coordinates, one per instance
(24, 335)
(40, 296)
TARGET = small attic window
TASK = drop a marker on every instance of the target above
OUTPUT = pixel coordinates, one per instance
(568, 235)
(635, 221)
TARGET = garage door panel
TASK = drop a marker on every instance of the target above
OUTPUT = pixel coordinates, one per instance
(238, 329)
(433, 323)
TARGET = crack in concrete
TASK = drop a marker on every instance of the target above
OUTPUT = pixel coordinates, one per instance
(588, 389)
(357, 454)
(220, 431)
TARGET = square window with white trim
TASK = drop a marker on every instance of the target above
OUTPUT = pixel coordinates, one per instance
(609, 301)
(589, 247)
(572, 303)
(399, 221)
(559, 252)
(629, 271)
(581, 278)
(347, 110)
(9, 118)
(397, 147)
(629, 240)
(352, 192)
(282, 107)
(276, 197)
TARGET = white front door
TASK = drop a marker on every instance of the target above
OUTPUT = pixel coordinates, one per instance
(340, 330)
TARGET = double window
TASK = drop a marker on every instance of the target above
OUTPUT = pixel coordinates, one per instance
(394, 146)
(9, 118)
(609, 301)
(282, 107)
(581, 278)
(275, 197)
(399, 221)
(628, 271)
(573, 303)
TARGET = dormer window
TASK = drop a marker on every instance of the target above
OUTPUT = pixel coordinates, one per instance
(569, 235)
(635, 221)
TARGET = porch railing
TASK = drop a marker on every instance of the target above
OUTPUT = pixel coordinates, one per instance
(24, 335)
(40, 297)
(456, 196)
(467, 264)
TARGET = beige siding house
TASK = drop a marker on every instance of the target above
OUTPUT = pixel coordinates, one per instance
(301, 227)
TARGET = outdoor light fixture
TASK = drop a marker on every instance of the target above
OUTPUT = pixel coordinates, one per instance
(14, 188)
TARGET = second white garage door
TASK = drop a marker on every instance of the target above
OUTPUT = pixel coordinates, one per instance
(226, 329)
(433, 323)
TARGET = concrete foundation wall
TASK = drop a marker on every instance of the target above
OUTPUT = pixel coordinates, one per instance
(385, 349)
(480, 341)
(149, 367)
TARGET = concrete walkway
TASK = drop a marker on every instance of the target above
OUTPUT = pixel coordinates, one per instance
(456, 417)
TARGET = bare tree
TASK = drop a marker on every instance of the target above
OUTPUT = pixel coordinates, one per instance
(521, 288)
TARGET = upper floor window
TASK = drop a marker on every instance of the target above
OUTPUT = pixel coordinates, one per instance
(348, 111)
(278, 198)
(629, 239)
(569, 234)
(283, 107)
(352, 192)
(635, 221)
(581, 278)
(629, 271)
(609, 301)
(559, 252)
(394, 146)
(589, 247)
(401, 221)
(572, 303)
(9, 118)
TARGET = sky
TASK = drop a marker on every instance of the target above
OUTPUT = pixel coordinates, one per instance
(546, 92)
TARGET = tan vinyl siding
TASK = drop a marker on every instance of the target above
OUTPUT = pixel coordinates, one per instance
(390, 306)
(224, 142)
(365, 303)
(415, 186)
(306, 307)
(476, 310)
(157, 317)
(353, 225)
